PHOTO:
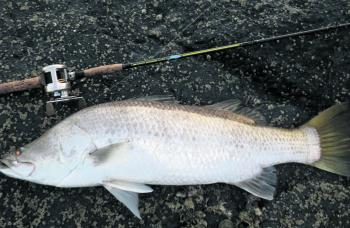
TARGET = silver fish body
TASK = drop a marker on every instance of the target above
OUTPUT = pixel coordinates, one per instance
(180, 145)
(126, 145)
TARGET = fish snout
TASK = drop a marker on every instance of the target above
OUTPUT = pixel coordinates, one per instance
(11, 165)
(5, 163)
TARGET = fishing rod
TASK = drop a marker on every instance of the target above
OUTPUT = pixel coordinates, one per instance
(57, 80)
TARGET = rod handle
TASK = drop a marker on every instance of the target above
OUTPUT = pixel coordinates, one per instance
(16, 86)
(106, 69)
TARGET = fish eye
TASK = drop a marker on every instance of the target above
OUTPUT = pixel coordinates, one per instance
(18, 152)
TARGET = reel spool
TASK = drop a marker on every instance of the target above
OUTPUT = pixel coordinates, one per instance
(56, 81)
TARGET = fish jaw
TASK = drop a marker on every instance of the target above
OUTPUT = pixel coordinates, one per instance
(4, 169)
(15, 168)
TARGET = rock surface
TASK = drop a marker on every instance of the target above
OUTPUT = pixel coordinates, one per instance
(290, 80)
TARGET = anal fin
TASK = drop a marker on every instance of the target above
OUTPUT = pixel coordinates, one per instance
(129, 199)
(128, 186)
(263, 185)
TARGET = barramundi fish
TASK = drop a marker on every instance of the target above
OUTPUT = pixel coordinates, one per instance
(128, 145)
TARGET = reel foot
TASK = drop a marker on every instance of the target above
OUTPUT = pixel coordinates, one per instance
(50, 105)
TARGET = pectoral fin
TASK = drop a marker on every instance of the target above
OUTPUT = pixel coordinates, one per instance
(262, 185)
(128, 186)
(129, 199)
(103, 154)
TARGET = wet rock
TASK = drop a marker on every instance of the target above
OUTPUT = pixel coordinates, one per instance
(290, 81)
(226, 224)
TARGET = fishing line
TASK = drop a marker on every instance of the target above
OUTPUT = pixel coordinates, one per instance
(57, 80)
(182, 30)
(222, 48)
(120, 67)
(185, 28)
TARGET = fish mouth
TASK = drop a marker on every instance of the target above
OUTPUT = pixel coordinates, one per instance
(5, 163)
(16, 168)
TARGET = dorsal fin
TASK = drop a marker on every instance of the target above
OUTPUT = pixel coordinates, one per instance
(229, 105)
(159, 98)
(251, 115)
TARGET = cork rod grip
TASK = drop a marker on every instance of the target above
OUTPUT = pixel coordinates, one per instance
(103, 69)
(16, 86)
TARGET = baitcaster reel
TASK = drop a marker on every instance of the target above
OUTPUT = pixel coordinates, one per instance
(57, 83)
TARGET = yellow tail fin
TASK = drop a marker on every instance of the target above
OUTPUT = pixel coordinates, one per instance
(333, 127)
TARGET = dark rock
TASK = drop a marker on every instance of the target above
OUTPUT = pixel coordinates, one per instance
(290, 80)
(226, 224)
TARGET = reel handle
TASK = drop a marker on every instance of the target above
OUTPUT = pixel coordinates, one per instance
(16, 86)
(106, 69)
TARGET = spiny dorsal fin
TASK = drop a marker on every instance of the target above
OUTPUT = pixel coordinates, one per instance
(229, 105)
(129, 199)
(158, 98)
(128, 186)
(234, 105)
(262, 185)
